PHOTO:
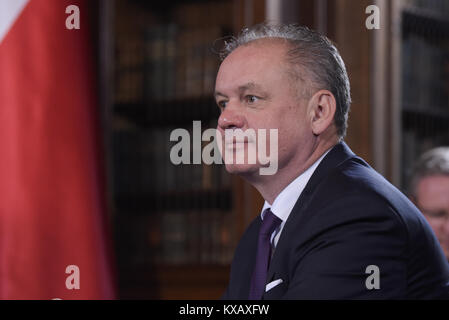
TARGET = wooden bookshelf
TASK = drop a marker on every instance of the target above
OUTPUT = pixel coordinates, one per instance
(182, 111)
(175, 201)
(423, 67)
(176, 227)
(189, 282)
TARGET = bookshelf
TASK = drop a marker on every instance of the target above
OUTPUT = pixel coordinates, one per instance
(422, 94)
(176, 226)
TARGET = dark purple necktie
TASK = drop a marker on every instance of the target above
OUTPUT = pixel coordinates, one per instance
(269, 223)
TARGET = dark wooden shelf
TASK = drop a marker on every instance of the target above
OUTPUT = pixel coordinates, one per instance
(174, 201)
(164, 6)
(436, 112)
(198, 282)
(425, 122)
(178, 113)
(143, 187)
(425, 23)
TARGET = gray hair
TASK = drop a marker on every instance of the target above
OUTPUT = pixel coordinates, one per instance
(432, 162)
(312, 52)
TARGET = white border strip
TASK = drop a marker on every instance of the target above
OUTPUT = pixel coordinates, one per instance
(9, 12)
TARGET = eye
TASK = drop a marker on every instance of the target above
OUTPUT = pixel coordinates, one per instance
(436, 214)
(251, 99)
(222, 104)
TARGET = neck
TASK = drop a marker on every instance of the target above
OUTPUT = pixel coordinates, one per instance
(271, 186)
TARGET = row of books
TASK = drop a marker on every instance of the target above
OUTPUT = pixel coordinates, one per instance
(425, 84)
(182, 237)
(202, 14)
(167, 62)
(437, 6)
(425, 73)
(142, 165)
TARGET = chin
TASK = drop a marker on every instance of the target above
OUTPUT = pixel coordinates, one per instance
(242, 169)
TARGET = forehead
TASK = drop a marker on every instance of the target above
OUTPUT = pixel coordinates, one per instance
(434, 190)
(258, 61)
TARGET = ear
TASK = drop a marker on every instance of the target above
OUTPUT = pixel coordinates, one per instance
(322, 106)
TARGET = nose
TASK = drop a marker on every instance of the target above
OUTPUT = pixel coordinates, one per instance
(230, 118)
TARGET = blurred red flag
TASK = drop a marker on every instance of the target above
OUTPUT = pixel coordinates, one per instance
(53, 231)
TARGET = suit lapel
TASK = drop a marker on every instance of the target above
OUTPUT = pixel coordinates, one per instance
(337, 155)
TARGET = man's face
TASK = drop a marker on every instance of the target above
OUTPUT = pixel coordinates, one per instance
(432, 195)
(255, 91)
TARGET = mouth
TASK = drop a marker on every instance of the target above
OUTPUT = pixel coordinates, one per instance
(236, 145)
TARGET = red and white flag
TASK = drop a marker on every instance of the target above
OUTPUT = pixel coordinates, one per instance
(53, 233)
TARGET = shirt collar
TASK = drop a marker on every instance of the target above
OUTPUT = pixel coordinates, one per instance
(285, 201)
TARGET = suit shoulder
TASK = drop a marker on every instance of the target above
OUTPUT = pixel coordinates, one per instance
(358, 193)
(354, 180)
(354, 193)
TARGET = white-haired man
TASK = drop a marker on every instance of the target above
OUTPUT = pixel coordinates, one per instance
(430, 192)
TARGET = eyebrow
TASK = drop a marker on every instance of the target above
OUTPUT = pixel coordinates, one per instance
(249, 85)
(242, 88)
(217, 93)
(433, 211)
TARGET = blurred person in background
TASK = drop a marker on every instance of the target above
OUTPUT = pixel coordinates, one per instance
(429, 190)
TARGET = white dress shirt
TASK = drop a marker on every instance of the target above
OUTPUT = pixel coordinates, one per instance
(285, 201)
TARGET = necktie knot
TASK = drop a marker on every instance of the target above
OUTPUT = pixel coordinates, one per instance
(269, 223)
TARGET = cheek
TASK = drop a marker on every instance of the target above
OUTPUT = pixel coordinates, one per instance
(295, 121)
(288, 144)
(292, 132)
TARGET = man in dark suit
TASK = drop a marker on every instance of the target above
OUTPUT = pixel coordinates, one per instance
(331, 227)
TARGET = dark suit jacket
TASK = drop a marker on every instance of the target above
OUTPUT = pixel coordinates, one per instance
(347, 218)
